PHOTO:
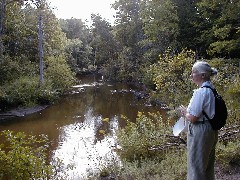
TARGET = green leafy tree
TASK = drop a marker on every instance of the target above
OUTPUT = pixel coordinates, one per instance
(128, 24)
(186, 12)
(20, 63)
(171, 76)
(10, 38)
(129, 33)
(75, 29)
(58, 74)
(78, 49)
(218, 27)
(21, 32)
(73, 51)
(102, 43)
(3, 8)
(105, 47)
(160, 22)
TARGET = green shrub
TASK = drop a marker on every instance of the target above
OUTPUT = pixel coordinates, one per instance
(174, 166)
(149, 169)
(46, 93)
(25, 91)
(58, 74)
(146, 151)
(228, 153)
(20, 81)
(24, 157)
(11, 69)
(171, 77)
(22, 91)
(137, 138)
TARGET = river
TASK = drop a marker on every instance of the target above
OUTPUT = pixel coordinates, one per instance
(82, 125)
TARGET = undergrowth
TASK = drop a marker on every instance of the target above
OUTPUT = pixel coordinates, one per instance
(149, 151)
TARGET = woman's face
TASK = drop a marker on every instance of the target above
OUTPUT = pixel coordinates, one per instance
(197, 77)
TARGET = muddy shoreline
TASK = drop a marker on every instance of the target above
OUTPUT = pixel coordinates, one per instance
(20, 112)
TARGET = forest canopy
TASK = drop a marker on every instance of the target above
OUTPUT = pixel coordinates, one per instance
(130, 50)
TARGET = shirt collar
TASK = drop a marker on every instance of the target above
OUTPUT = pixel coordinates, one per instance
(207, 83)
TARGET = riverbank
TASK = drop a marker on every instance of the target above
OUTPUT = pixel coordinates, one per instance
(20, 112)
(232, 172)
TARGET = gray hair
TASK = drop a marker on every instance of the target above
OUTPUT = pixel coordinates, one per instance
(205, 68)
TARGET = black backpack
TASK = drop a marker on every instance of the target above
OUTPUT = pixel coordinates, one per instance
(220, 116)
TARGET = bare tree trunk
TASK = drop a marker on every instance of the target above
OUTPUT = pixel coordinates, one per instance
(3, 8)
(40, 51)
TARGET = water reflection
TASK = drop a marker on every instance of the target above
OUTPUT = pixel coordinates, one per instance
(73, 124)
(78, 146)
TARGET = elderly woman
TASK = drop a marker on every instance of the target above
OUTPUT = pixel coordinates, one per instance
(201, 139)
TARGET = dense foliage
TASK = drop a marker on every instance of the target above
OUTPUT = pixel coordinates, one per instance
(144, 29)
(25, 157)
(138, 138)
(154, 42)
(171, 76)
(19, 62)
(149, 150)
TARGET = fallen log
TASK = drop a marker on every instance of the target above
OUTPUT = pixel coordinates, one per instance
(226, 134)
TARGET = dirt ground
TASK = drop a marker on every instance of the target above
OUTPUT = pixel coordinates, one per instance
(231, 173)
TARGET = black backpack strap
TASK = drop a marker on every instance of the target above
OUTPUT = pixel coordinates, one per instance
(205, 114)
(213, 90)
(215, 94)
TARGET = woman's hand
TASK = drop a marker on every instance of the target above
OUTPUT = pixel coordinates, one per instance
(182, 110)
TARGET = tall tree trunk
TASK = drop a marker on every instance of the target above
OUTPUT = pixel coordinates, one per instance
(40, 51)
(3, 8)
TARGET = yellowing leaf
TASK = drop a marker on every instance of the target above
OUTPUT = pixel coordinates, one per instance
(101, 131)
(105, 120)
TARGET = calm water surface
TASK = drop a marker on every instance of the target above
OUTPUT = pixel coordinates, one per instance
(76, 123)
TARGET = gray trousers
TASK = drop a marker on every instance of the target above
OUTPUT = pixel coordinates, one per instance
(201, 143)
